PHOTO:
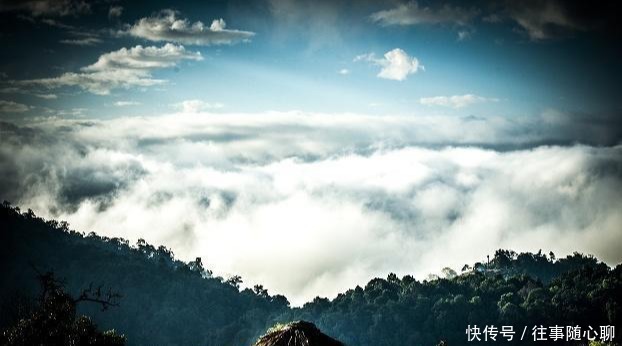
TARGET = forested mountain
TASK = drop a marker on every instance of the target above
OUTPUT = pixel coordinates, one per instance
(167, 302)
(164, 301)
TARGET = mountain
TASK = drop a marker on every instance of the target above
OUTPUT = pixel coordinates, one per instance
(168, 302)
(164, 301)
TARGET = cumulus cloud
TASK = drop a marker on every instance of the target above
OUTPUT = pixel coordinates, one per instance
(455, 101)
(194, 106)
(39, 8)
(124, 68)
(412, 13)
(166, 26)
(396, 64)
(337, 198)
(12, 107)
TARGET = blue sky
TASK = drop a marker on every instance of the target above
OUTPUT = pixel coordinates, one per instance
(292, 61)
(310, 146)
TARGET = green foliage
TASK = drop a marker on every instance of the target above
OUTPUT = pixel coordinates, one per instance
(514, 289)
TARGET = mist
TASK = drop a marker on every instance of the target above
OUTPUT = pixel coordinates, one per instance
(312, 204)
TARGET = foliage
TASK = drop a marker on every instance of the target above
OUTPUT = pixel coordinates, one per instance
(165, 301)
(54, 321)
(518, 290)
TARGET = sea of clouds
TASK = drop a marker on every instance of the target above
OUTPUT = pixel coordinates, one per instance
(314, 204)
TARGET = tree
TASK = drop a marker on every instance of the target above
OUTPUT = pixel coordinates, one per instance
(449, 273)
(54, 321)
(234, 281)
(261, 291)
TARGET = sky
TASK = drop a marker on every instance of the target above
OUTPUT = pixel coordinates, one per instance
(311, 146)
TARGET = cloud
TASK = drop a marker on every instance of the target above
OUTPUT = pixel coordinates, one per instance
(549, 19)
(542, 19)
(464, 35)
(396, 64)
(12, 107)
(337, 198)
(195, 106)
(47, 96)
(124, 68)
(165, 26)
(456, 101)
(86, 41)
(56, 24)
(412, 14)
(344, 71)
(40, 8)
(115, 12)
(126, 103)
(538, 19)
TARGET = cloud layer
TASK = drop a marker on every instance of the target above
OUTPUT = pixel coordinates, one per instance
(165, 26)
(124, 68)
(312, 204)
(12, 107)
(538, 19)
(455, 101)
(412, 13)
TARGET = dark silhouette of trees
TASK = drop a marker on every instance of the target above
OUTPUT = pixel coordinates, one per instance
(54, 321)
(165, 301)
(169, 302)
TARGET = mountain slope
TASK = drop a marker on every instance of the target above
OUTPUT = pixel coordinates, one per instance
(165, 301)
(168, 302)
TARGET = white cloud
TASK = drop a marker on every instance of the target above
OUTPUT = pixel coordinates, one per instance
(126, 103)
(124, 68)
(344, 71)
(167, 27)
(412, 14)
(142, 58)
(13, 107)
(195, 106)
(396, 64)
(456, 101)
(336, 198)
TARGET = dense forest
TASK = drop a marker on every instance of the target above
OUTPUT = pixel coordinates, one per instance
(164, 301)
